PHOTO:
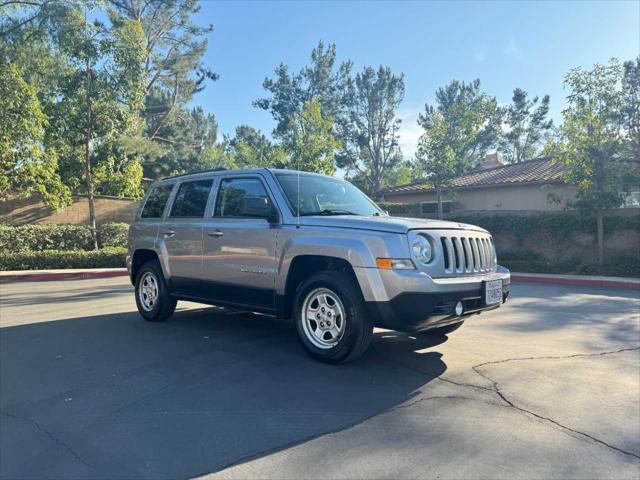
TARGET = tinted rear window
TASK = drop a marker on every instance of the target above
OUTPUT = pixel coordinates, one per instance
(156, 201)
(191, 199)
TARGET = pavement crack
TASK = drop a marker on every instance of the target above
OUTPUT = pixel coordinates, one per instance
(558, 357)
(49, 434)
(511, 404)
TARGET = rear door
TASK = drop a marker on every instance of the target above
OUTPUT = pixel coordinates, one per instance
(180, 235)
(144, 230)
(239, 264)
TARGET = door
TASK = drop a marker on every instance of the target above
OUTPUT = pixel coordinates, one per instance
(239, 262)
(181, 236)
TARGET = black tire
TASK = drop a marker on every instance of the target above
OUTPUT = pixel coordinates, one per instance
(357, 329)
(164, 304)
(442, 330)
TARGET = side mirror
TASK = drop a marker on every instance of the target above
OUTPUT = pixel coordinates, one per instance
(257, 207)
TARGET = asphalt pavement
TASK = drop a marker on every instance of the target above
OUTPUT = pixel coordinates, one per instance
(546, 387)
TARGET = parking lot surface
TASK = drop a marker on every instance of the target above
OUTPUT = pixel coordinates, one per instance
(546, 387)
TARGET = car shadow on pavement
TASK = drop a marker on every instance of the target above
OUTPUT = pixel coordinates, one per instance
(112, 396)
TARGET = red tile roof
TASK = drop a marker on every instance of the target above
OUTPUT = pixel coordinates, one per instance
(540, 170)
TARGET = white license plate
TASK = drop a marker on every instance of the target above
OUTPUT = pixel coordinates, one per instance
(493, 292)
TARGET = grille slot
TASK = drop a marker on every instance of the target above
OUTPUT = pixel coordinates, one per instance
(467, 254)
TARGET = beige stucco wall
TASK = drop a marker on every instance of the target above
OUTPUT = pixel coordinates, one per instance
(32, 210)
(499, 198)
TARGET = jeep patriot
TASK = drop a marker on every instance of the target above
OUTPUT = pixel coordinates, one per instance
(311, 248)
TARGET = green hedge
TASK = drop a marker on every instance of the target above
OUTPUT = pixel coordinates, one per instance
(558, 231)
(40, 237)
(113, 235)
(108, 257)
(565, 222)
(533, 262)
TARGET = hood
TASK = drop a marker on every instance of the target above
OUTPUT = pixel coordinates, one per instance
(384, 223)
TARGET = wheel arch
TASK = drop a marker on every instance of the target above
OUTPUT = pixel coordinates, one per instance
(303, 266)
(140, 257)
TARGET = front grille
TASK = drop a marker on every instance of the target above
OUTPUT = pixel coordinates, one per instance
(466, 254)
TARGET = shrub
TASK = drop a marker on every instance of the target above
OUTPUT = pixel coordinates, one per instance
(108, 257)
(618, 266)
(44, 236)
(113, 234)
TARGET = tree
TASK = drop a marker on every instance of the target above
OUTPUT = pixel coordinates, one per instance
(250, 148)
(526, 126)
(370, 128)
(309, 142)
(25, 168)
(115, 90)
(183, 144)
(101, 100)
(631, 108)
(458, 131)
(172, 61)
(58, 48)
(593, 139)
(437, 156)
(320, 82)
(401, 174)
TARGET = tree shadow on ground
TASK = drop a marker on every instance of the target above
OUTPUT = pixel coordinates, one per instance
(112, 396)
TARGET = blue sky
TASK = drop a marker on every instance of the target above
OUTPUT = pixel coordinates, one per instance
(506, 44)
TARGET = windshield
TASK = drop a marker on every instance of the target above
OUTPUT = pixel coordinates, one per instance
(315, 195)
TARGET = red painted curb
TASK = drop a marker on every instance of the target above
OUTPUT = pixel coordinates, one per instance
(43, 277)
(583, 282)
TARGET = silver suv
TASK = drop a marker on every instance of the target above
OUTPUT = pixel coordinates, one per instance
(312, 248)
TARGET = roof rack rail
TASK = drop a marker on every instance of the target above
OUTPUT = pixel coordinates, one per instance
(219, 169)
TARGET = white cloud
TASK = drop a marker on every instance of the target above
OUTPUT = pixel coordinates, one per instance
(409, 132)
(512, 49)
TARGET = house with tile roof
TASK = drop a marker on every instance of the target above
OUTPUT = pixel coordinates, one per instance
(492, 187)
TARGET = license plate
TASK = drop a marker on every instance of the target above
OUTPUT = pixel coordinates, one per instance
(492, 292)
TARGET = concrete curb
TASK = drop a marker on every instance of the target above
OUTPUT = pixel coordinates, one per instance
(578, 280)
(47, 275)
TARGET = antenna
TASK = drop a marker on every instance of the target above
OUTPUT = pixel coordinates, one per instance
(298, 193)
(298, 198)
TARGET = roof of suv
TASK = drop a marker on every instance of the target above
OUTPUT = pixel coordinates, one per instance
(245, 170)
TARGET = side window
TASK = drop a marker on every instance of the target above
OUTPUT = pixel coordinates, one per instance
(243, 197)
(191, 199)
(156, 201)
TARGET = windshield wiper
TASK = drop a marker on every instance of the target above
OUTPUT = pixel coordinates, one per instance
(328, 211)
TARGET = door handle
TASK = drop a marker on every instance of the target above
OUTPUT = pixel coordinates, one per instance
(169, 233)
(216, 233)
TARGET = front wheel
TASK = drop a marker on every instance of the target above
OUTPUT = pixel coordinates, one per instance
(331, 318)
(152, 296)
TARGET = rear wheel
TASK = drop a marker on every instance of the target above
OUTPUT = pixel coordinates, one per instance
(331, 318)
(152, 296)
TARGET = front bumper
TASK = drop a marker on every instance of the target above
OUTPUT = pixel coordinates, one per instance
(433, 305)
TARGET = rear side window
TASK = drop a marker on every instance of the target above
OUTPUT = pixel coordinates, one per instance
(191, 199)
(156, 201)
(235, 193)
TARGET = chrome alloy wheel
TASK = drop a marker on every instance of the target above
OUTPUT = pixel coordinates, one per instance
(323, 318)
(148, 291)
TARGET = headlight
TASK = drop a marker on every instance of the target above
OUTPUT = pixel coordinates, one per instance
(422, 250)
